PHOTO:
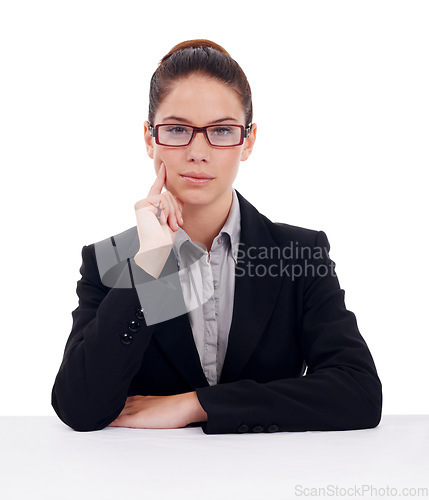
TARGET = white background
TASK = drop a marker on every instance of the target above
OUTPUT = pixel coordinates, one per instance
(340, 95)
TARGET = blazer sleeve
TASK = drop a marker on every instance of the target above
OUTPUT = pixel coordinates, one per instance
(103, 352)
(340, 390)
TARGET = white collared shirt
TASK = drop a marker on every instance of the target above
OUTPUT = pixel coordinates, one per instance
(208, 281)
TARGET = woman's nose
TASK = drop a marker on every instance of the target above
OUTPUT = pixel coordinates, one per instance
(199, 148)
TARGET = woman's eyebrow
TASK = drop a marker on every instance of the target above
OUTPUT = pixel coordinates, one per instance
(177, 118)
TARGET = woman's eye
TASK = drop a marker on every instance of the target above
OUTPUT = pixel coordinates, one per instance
(176, 130)
(222, 131)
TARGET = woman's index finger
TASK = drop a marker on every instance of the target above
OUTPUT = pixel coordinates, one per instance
(159, 181)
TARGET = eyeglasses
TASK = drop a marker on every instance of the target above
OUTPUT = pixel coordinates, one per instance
(220, 136)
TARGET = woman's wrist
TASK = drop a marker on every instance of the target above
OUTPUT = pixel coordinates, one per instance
(153, 261)
(194, 410)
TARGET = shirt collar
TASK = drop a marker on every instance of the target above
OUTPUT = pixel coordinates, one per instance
(232, 227)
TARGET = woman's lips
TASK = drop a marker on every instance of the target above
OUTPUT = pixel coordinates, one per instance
(193, 181)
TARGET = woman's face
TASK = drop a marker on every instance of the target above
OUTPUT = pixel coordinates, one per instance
(200, 101)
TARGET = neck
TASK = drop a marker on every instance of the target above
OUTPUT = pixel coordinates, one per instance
(203, 222)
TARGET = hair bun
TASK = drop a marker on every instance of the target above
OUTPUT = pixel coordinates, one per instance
(195, 44)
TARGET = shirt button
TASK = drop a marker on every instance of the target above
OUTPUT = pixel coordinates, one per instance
(215, 284)
(219, 240)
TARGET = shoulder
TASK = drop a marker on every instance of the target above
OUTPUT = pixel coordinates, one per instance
(121, 243)
(262, 228)
(288, 232)
(280, 231)
(104, 260)
(115, 247)
(299, 237)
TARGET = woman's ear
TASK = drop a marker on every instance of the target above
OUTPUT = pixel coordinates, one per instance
(148, 139)
(249, 142)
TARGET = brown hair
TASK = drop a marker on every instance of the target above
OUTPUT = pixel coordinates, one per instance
(198, 56)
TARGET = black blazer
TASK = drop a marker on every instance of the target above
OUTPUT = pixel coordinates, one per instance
(295, 359)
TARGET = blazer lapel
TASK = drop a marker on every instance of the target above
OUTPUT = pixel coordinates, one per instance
(176, 339)
(255, 293)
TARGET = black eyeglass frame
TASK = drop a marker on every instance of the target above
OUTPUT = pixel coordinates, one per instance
(153, 131)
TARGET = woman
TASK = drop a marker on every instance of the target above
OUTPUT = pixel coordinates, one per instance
(207, 313)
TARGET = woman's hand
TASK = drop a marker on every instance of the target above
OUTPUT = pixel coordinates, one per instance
(160, 412)
(157, 235)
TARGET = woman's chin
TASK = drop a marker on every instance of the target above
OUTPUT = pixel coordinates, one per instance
(190, 195)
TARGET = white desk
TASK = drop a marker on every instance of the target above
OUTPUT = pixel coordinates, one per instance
(42, 458)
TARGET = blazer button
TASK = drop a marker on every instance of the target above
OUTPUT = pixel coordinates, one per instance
(258, 428)
(273, 428)
(126, 338)
(133, 326)
(139, 313)
(243, 428)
